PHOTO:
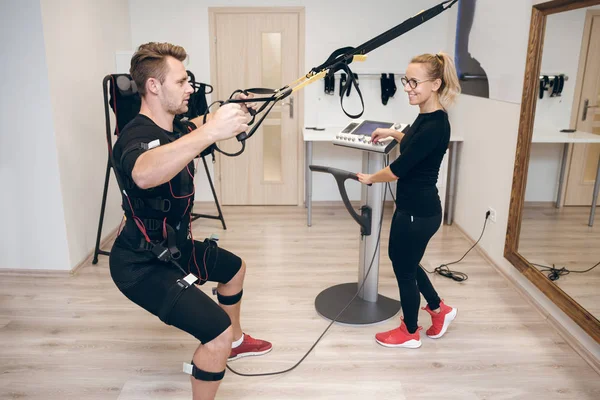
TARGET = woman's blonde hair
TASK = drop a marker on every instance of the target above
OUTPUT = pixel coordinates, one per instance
(441, 66)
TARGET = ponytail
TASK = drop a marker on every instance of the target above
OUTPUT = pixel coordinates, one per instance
(441, 66)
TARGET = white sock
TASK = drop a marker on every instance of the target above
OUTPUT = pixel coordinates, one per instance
(237, 342)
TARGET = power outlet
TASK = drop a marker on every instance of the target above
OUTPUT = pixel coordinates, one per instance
(492, 214)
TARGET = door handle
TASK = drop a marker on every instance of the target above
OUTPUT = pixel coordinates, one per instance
(291, 104)
(586, 105)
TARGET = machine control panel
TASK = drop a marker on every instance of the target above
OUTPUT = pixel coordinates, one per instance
(357, 134)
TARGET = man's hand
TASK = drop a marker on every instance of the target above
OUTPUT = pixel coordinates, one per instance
(365, 178)
(228, 121)
(246, 106)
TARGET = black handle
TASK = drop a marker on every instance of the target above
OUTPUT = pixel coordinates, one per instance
(337, 173)
(270, 103)
(340, 176)
(242, 135)
(245, 135)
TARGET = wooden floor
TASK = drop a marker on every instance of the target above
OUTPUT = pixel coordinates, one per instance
(561, 236)
(80, 338)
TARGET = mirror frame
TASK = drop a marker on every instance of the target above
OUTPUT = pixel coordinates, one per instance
(537, 30)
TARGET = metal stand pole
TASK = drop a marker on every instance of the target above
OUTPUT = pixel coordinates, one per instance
(368, 307)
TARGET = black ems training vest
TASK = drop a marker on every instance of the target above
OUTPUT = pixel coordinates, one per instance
(163, 211)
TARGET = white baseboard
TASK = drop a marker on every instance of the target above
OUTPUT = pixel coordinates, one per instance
(53, 272)
(88, 259)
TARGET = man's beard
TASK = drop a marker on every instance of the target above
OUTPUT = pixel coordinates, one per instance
(176, 109)
(181, 110)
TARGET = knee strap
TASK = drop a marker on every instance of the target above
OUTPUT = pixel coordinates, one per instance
(201, 375)
(230, 300)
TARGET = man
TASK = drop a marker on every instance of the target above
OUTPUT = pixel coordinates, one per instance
(154, 162)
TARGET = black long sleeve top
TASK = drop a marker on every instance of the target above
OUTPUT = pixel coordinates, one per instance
(422, 150)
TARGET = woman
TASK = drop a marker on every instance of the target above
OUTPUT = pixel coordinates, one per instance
(432, 84)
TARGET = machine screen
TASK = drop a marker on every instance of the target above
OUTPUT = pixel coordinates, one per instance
(367, 127)
(349, 127)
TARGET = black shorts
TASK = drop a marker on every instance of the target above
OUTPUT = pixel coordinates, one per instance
(145, 280)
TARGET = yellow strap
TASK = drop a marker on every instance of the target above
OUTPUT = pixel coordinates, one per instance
(302, 78)
(310, 80)
(312, 77)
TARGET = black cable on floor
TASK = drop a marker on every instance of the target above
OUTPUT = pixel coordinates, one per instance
(336, 317)
(555, 273)
(446, 272)
(443, 269)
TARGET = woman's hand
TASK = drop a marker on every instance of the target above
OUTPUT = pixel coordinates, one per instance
(382, 133)
(365, 178)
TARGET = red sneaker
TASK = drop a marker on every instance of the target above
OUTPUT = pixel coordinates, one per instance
(400, 337)
(441, 321)
(250, 347)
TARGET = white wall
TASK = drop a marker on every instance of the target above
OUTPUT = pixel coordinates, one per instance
(495, 52)
(562, 47)
(329, 26)
(33, 228)
(54, 56)
(544, 170)
(81, 38)
(490, 128)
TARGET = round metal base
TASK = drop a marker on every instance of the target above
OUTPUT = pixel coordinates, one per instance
(360, 312)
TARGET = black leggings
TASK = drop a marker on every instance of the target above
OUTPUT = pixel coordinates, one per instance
(408, 240)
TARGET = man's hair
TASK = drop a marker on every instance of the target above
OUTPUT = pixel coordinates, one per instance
(150, 61)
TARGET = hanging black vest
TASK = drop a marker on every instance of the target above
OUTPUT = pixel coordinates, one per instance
(125, 100)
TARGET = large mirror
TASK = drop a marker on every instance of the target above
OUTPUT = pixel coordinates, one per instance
(553, 234)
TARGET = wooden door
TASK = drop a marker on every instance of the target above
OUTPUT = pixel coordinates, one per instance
(259, 48)
(585, 157)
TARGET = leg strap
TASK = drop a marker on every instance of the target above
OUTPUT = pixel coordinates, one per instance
(200, 375)
(172, 297)
(229, 300)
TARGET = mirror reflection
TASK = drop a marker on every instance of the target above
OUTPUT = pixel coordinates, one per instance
(560, 233)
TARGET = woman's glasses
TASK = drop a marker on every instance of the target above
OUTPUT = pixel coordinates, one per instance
(412, 82)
